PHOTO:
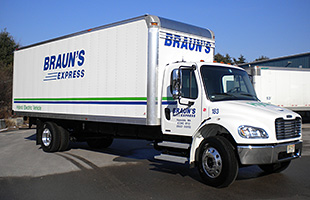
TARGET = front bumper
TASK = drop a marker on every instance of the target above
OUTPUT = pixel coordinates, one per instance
(267, 154)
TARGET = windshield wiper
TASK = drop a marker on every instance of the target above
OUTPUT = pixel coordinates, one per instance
(214, 95)
(249, 95)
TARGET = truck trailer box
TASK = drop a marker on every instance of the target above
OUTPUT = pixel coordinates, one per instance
(284, 87)
(152, 78)
(111, 73)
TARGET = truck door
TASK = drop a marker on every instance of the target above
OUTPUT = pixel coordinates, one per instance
(181, 116)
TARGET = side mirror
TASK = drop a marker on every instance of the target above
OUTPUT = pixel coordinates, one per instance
(176, 83)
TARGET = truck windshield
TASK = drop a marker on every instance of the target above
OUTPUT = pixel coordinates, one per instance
(224, 83)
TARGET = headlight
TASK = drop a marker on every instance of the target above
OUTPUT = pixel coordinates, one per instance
(252, 132)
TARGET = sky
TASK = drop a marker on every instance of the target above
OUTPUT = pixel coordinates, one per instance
(253, 28)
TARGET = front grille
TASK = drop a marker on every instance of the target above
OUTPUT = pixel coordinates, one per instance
(286, 129)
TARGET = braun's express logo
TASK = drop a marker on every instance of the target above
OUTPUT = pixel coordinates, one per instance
(64, 66)
(187, 43)
(184, 112)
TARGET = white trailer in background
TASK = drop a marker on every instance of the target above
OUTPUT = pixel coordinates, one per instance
(152, 78)
(284, 87)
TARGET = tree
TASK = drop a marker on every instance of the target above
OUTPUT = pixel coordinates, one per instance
(223, 59)
(7, 48)
(228, 59)
(240, 60)
(218, 57)
(261, 58)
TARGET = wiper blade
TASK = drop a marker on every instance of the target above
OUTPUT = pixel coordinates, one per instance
(249, 95)
(224, 94)
(214, 95)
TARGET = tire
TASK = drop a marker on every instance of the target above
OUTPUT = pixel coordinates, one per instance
(217, 165)
(275, 168)
(100, 143)
(50, 137)
(64, 139)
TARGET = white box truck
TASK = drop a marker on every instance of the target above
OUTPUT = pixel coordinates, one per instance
(152, 78)
(283, 86)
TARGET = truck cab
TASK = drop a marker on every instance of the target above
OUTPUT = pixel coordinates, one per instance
(216, 105)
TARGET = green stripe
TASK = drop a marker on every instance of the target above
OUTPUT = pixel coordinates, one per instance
(85, 99)
(168, 99)
(92, 99)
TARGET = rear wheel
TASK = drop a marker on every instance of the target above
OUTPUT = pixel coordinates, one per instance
(100, 143)
(275, 168)
(50, 137)
(218, 165)
(64, 139)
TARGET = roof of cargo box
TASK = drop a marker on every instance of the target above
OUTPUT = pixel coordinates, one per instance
(162, 22)
(186, 28)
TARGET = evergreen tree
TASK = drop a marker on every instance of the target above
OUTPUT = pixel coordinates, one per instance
(240, 60)
(223, 59)
(261, 58)
(7, 48)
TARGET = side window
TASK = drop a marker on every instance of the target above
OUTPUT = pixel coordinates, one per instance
(189, 84)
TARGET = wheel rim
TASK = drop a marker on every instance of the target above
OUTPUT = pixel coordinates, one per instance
(46, 137)
(212, 162)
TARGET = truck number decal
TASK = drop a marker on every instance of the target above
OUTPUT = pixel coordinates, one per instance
(215, 111)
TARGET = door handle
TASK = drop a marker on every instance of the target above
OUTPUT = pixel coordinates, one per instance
(167, 113)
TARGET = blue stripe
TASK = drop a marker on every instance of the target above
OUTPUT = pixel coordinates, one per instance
(50, 79)
(50, 76)
(97, 102)
(86, 102)
(53, 73)
(169, 103)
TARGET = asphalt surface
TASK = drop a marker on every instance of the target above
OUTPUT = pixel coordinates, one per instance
(127, 170)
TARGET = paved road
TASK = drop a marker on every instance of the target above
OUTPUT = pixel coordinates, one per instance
(127, 170)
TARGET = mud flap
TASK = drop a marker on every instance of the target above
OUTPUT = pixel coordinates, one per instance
(38, 131)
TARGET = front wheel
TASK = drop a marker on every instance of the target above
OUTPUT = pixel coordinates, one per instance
(217, 165)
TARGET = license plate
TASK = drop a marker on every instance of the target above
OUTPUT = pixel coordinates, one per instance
(290, 148)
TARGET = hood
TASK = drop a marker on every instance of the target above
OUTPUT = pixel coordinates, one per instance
(232, 114)
(257, 110)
